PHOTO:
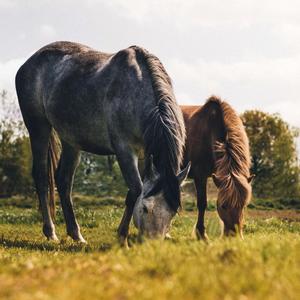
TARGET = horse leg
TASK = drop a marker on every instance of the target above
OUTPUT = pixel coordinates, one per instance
(64, 178)
(39, 140)
(128, 162)
(200, 184)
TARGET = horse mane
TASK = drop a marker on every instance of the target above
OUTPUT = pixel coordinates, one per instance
(164, 129)
(232, 158)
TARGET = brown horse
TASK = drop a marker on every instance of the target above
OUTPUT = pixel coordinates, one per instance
(217, 146)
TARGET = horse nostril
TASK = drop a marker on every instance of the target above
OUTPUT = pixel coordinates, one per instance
(145, 209)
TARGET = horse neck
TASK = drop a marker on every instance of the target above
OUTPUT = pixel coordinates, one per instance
(202, 134)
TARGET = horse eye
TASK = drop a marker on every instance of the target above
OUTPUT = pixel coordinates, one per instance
(224, 206)
(145, 209)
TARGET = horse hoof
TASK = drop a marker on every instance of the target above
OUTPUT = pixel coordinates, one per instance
(49, 232)
(204, 238)
(80, 240)
(53, 238)
(77, 237)
(168, 236)
(201, 236)
(123, 242)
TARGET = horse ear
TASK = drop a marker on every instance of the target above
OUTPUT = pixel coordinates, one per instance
(216, 180)
(184, 173)
(250, 178)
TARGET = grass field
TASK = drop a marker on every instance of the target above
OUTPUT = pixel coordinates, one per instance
(266, 265)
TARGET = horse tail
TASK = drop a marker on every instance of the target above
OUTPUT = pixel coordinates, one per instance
(54, 150)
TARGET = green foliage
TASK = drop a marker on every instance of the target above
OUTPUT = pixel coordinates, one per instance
(274, 155)
(99, 175)
(15, 160)
(276, 203)
(15, 155)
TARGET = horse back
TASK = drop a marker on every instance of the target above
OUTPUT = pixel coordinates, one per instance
(92, 99)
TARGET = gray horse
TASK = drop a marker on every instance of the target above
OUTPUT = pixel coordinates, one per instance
(120, 104)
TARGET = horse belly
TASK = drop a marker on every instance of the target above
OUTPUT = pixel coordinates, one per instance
(85, 132)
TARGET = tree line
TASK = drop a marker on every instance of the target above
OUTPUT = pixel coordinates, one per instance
(272, 143)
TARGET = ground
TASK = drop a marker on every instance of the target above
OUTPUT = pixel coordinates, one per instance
(265, 265)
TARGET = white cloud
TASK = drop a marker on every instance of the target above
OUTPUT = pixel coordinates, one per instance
(288, 109)
(7, 4)
(207, 13)
(289, 34)
(245, 51)
(268, 84)
(22, 36)
(8, 71)
(47, 31)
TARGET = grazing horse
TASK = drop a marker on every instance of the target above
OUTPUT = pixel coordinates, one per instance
(106, 104)
(217, 146)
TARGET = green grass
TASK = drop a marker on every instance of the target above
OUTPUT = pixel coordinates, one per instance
(266, 265)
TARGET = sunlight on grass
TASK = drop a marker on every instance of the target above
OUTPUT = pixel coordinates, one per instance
(266, 265)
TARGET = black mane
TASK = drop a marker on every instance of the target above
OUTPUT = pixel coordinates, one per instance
(164, 130)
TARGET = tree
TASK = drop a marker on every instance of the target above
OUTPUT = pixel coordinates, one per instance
(99, 175)
(15, 156)
(95, 175)
(15, 160)
(274, 155)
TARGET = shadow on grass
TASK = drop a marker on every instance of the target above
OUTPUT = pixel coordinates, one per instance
(52, 246)
(64, 246)
(79, 200)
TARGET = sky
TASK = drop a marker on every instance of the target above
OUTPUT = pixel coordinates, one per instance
(245, 51)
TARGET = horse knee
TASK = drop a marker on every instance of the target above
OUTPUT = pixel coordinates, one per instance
(39, 175)
(63, 187)
(132, 195)
(61, 181)
(57, 179)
